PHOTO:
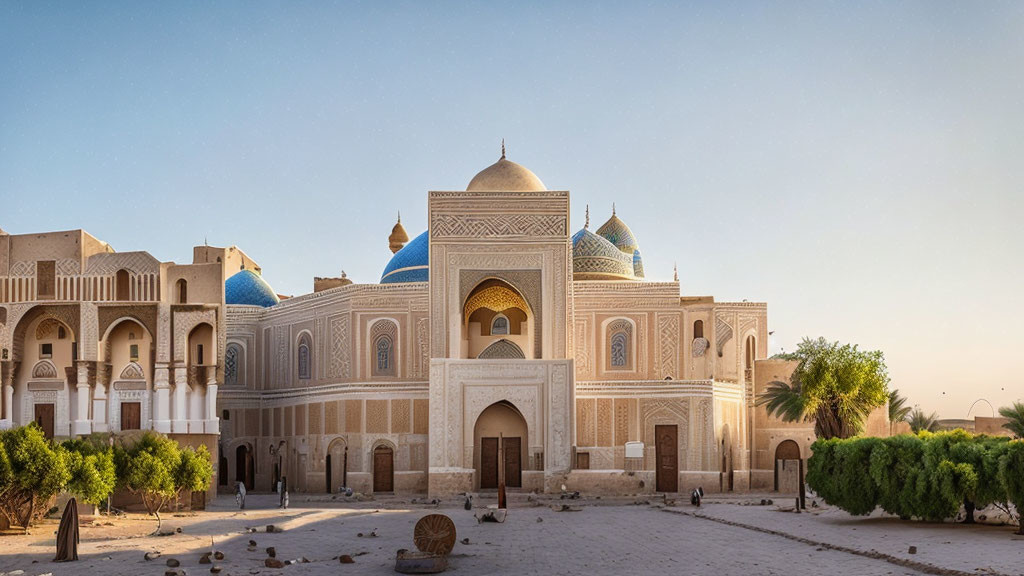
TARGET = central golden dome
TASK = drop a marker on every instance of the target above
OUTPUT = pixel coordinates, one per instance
(505, 176)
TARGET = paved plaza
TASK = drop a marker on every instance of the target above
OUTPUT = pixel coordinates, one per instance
(623, 538)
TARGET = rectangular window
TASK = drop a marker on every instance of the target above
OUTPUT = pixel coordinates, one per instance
(199, 354)
(46, 350)
(134, 352)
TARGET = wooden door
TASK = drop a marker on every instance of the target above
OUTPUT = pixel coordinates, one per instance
(512, 447)
(131, 415)
(44, 417)
(488, 463)
(383, 470)
(666, 455)
(327, 468)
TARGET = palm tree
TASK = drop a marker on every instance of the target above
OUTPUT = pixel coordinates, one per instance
(919, 421)
(1016, 415)
(898, 409)
(836, 385)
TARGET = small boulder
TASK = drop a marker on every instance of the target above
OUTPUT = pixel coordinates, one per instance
(272, 552)
(218, 555)
(215, 569)
(205, 559)
(346, 559)
(173, 563)
(252, 542)
(175, 572)
(271, 529)
(152, 555)
(273, 563)
(912, 550)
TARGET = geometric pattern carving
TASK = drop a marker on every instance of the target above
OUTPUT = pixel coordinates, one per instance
(107, 264)
(700, 346)
(604, 422)
(495, 225)
(422, 347)
(582, 343)
(377, 416)
(353, 416)
(585, 422)
(44, 369)
(496, 298)
(668, 336)
(132, 372)
(383, 348)
(231, 356)
(525, 282)
(622, 421)
(48, 329)
(340, 363)
(502, 349)
(400, 416)
(620, 344)
(420, 418)
(723, 333)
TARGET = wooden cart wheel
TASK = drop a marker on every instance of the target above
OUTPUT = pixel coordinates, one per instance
(434, 534)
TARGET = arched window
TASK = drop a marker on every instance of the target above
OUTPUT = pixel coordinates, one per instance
(499, 326)
(383, 337)
(123, 284)
(182, 286)
(620, 345)
(305, 359)
(698, 329)
(231, 365)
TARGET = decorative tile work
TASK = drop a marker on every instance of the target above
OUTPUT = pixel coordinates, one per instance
(622, 428)
(315, 411)
(585, 422)
(340, 355)
(595, 258)
(420, 418)
(250, 289)
(502, 349)
(377, 416)
(353, 416)
(400, 417)
(604, 422)
(331, 420)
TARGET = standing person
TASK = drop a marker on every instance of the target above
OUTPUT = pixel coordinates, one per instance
(240, 495)
(67, 534)
(283, 490)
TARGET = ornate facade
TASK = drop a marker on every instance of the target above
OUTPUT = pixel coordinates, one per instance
(498, 346)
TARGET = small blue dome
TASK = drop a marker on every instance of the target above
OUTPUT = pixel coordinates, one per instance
(410, 264)
(638, 264)
(249, 288)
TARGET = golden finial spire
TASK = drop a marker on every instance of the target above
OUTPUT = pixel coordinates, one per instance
(502, 148)
(399, 216)
(586, 223)
(675, 272)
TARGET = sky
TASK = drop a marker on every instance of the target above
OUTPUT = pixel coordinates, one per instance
(857, 166)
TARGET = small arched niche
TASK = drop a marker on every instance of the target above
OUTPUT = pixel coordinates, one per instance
(495, 310)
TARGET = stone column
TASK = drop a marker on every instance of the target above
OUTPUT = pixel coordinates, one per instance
(212, 420)
(179, 424)
(161, 399)
(82, 425)
(99, 399)
(7, 419)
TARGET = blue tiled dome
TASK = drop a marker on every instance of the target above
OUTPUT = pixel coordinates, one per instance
(596, 258)
(249, 288)
(410, 264)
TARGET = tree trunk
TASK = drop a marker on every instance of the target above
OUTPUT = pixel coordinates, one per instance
(968, 511)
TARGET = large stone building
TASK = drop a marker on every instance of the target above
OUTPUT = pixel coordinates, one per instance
(498, 345)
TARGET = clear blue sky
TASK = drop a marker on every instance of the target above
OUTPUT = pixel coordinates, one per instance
(857, 166)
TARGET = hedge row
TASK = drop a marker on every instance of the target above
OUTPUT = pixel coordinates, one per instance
(927, 476)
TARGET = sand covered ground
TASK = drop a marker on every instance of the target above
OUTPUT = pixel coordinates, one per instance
(603, 538)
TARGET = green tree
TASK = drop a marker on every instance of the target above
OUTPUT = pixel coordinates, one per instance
(195, 472)
(895, 468)
(982, 454)
(898, 408)
(836, 385)
(93, 474)
(148, 468)
(34, 471)
(1016, 415)
(921, 422)
(840, 472)
(1011, 475)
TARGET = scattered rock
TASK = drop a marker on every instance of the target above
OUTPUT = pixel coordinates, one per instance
(215, 569)
(764, 502)
(912, 550)
(175, 572)
(346, 559)
(177, 530)
(173, 562)
(360, 535)
(218, 555)
(273, 563)
(465, 540)
(252, 542)
(271, 529)
(205, 559)
(539, 519)
(149, 556)
(272, 552)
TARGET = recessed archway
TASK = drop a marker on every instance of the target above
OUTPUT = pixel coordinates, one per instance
(244, 466)
(495, 310)
(500, 441)
(789, 467)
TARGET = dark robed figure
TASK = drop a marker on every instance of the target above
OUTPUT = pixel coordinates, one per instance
(67, 534)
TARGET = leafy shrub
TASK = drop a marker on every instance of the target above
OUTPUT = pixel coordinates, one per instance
(31, 471)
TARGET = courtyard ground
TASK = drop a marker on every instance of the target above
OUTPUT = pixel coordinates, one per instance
(624, 536)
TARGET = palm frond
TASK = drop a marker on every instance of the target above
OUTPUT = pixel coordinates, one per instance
(1015, 414)
(784, 401)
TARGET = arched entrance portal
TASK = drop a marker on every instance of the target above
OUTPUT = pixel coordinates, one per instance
(244, 466)
(383, 469)
(789, 469)
(499, 440)
(337, 465)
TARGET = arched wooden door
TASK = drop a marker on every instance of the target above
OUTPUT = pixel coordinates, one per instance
(244, 466)
(789, 468)
(383, 469)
